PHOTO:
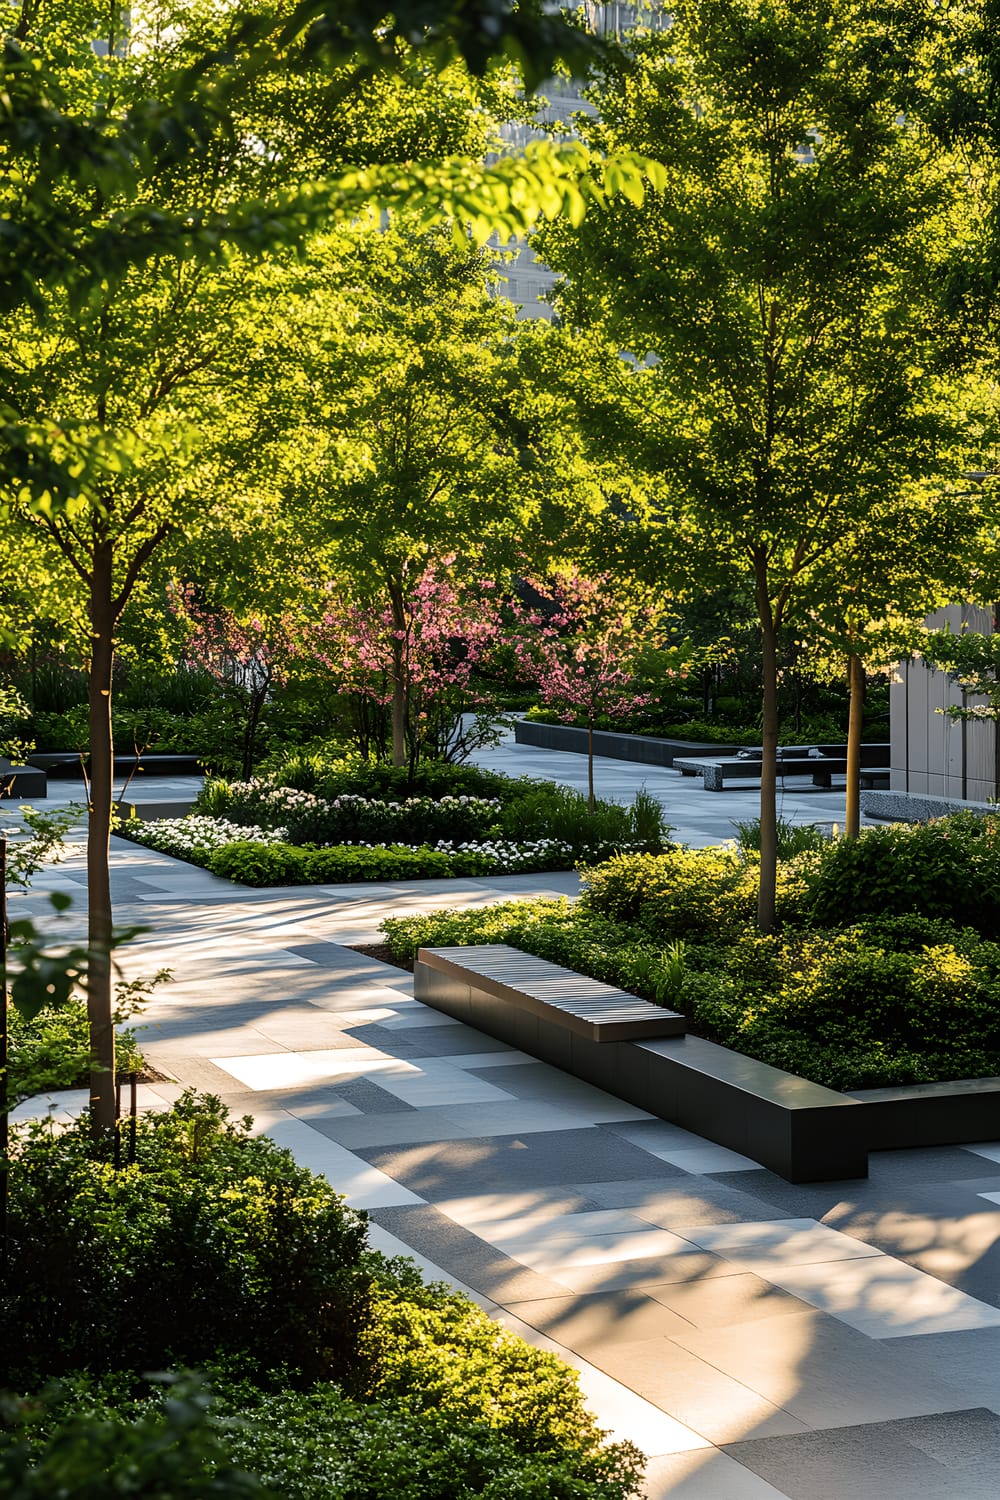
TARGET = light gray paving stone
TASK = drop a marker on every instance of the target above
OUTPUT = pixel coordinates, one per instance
(877, 1459)
(694, 1391)
(590, 1324)
(826, 1374)
(968, 1360)
(722, 1301)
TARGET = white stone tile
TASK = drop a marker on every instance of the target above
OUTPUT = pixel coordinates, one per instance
(283, 1070)
(408, 1020)
(550, 1229)
(363, 1186)
(778, 1242)
(990, 1197)
(884, 1298)
(527, 1206)
(64, 1104)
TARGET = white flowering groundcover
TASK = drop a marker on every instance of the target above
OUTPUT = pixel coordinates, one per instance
(197, 836)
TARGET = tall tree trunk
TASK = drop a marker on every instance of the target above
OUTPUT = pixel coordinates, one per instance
(856, 684)
(99, 918)
(590, 765)
(769, 752)
(398, 675)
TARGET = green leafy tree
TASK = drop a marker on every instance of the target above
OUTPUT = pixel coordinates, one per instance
(785, 282)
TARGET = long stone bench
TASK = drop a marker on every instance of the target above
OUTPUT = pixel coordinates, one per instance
(799, 1129)
(822, 767)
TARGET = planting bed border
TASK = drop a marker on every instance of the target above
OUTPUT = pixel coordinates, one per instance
(799, 1129)
(649, 749)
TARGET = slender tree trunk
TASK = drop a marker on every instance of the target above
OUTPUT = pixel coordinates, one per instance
(590, 765)
(856, 684)
(398, 675)
(769, 752)
(4, 1059)
(99, 918)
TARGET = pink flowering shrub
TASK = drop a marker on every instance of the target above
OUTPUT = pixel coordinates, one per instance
(418, 650)
(581, 652)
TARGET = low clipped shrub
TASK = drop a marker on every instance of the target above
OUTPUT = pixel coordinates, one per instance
(685, 893)
(949, 867)
(214, 1245)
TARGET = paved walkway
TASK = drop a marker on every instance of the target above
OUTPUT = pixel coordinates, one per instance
(825, 1342)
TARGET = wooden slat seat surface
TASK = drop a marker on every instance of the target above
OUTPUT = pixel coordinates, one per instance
(585, 1006)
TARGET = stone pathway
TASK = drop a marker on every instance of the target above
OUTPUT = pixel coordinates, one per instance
(824, 1342)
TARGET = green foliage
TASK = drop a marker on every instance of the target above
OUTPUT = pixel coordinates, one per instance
(214, 1246)
(687, 893)
(71, 1442)
(51, 1050)
(286, 864)
(949, 867)
(793, 838)
(558, 812)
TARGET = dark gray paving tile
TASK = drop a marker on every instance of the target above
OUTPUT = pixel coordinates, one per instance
(460, 1041)
(968, 1360)
(688, 1200)
(933, 1164)
(945, 1231)
(805, 1200)
(334, 956)
(468, 1258)
(399, 1131)
(401, 1044)
(538, 1080)
(965, 1441)
(371, 1099)
(503, 1164)
(877, 1459)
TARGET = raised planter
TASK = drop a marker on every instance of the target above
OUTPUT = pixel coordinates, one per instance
(799, 1129)
(66, 765)
(648, 749)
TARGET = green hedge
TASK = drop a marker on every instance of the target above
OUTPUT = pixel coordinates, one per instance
(287, 864)
(892, 1000)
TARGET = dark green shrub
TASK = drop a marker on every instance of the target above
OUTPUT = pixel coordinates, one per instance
(948, 868)
(250, 863)
(558, 812)
(52, 1050)
(213, 1246)
(74, 1443)
(793, 838)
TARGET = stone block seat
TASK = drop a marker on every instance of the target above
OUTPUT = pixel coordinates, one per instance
(22, 781)
(821, 762)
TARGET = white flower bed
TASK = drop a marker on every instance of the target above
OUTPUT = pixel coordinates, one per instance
(540, 854)
(198, 835)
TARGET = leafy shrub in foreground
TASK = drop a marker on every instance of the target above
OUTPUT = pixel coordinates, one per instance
(213, 1245)
(89, 1441)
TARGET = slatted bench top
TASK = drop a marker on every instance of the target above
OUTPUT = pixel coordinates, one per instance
(584, 1006)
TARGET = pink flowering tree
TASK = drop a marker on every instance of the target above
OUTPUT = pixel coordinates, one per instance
(580, 645)
(415, 654)
(248, 658)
